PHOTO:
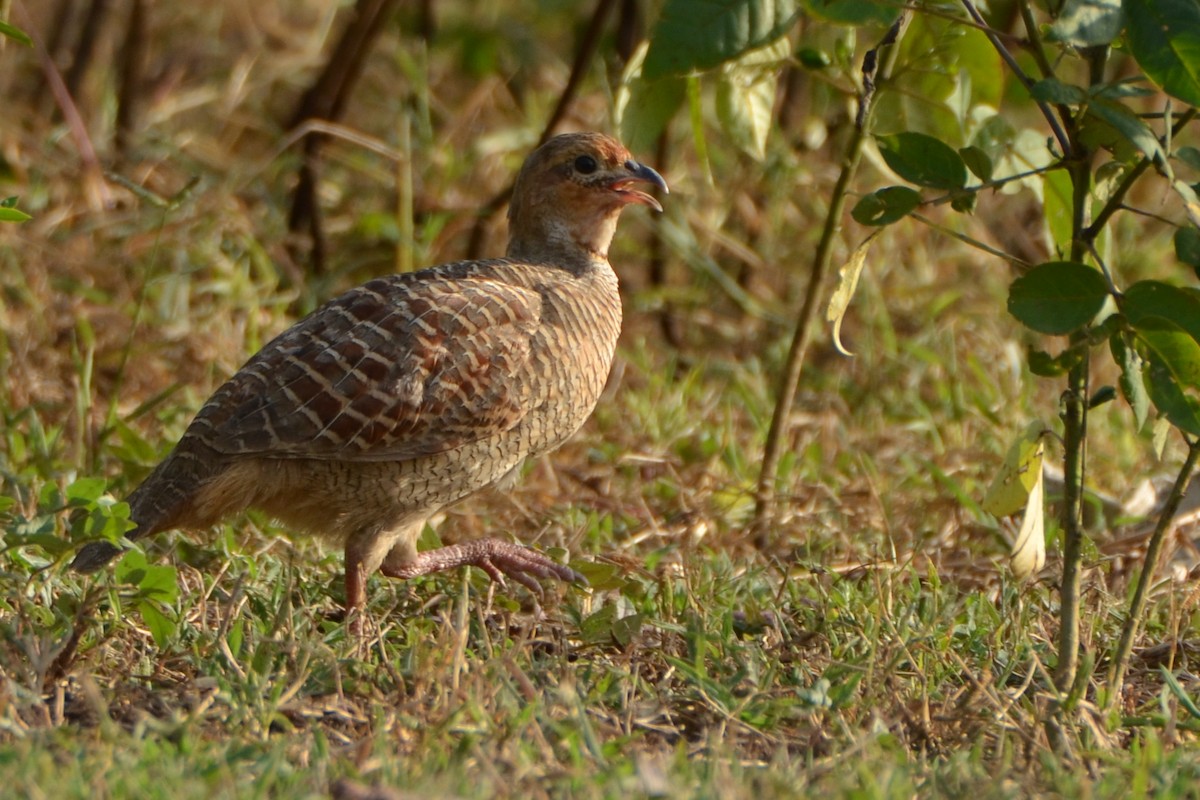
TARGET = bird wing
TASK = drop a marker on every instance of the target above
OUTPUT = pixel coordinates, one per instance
(398, 368)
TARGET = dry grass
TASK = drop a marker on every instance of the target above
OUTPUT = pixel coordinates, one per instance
(876, 649)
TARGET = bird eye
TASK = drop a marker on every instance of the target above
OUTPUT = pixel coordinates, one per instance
(585, 164)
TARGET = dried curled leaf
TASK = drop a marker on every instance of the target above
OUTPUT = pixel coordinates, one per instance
(844, 292)
(1020, 485)
(1029, 549)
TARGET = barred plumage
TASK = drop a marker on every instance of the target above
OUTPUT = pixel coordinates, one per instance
(413, 391)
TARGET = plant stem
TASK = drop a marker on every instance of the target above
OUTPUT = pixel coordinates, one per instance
(1074, 415)
(1120, 661)
(765, 498)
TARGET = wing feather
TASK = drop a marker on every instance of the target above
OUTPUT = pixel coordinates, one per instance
(401, 367)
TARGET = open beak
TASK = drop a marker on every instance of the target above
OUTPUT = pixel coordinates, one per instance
(638, 173)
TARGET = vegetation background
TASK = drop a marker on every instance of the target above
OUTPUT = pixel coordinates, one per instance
(870, 642)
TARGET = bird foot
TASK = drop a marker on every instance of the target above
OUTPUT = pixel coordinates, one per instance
(496, 557)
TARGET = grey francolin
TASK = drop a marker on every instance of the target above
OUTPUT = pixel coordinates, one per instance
(415, 390)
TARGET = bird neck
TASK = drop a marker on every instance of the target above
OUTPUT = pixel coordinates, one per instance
(553, 238)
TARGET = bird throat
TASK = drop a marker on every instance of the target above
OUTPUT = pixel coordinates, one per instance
(570, 243)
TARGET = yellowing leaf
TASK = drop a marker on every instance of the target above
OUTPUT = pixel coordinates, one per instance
(844, 292)
(1022, 469)
(746, 96)
(1029, 550)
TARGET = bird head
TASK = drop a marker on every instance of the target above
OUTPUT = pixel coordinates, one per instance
(568, 196)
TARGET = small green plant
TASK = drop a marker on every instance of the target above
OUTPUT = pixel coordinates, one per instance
(1109, 131)
(1116, 89)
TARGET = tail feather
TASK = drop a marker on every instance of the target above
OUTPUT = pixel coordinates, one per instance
(94, 555)
(159, 503)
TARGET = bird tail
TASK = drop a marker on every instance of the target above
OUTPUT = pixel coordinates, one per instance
(157, 504)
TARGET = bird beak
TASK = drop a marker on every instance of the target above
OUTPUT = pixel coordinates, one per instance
(638, 173)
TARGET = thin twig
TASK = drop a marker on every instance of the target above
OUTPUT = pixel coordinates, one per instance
(765, 491)
(1063, 141)
(973, 242)
(1035, 41)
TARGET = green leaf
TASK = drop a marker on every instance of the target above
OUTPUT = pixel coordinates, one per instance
(854, 12)
(1122, 89)
(813, 58)
(978, 161)
(746, 96)
(1189, 155)
(885, 206)
(597, 627)
(1012, 152)
(1133, 386)
(643, 107)
(83, 491)
(945, 73)
(1191, 203)
(1083, 23)
(923, 160)
(1052, 90)
(154, 582)
(1187, 247)
(1176, 689)
(13, 215)
(599, 575)
(1172, 370)
(1181, 410)
(1105, 394)
(236, 635)
(626, 628)
(160, 583)
(963, 201)
(697, 35)
(1152, 300)
(162, 627)
(1164, 37)
(1130, 127)
(1057, 297)
(1048, 366)
(14, 32)
(1173, 348)
(1056, 209)
(1010, 486)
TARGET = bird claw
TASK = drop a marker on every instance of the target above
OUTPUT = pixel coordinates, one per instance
(499, 559)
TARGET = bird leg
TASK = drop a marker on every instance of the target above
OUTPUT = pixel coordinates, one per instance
(496, 557)
(356, 590)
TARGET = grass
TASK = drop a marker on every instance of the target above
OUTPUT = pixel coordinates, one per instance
(877, 649)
